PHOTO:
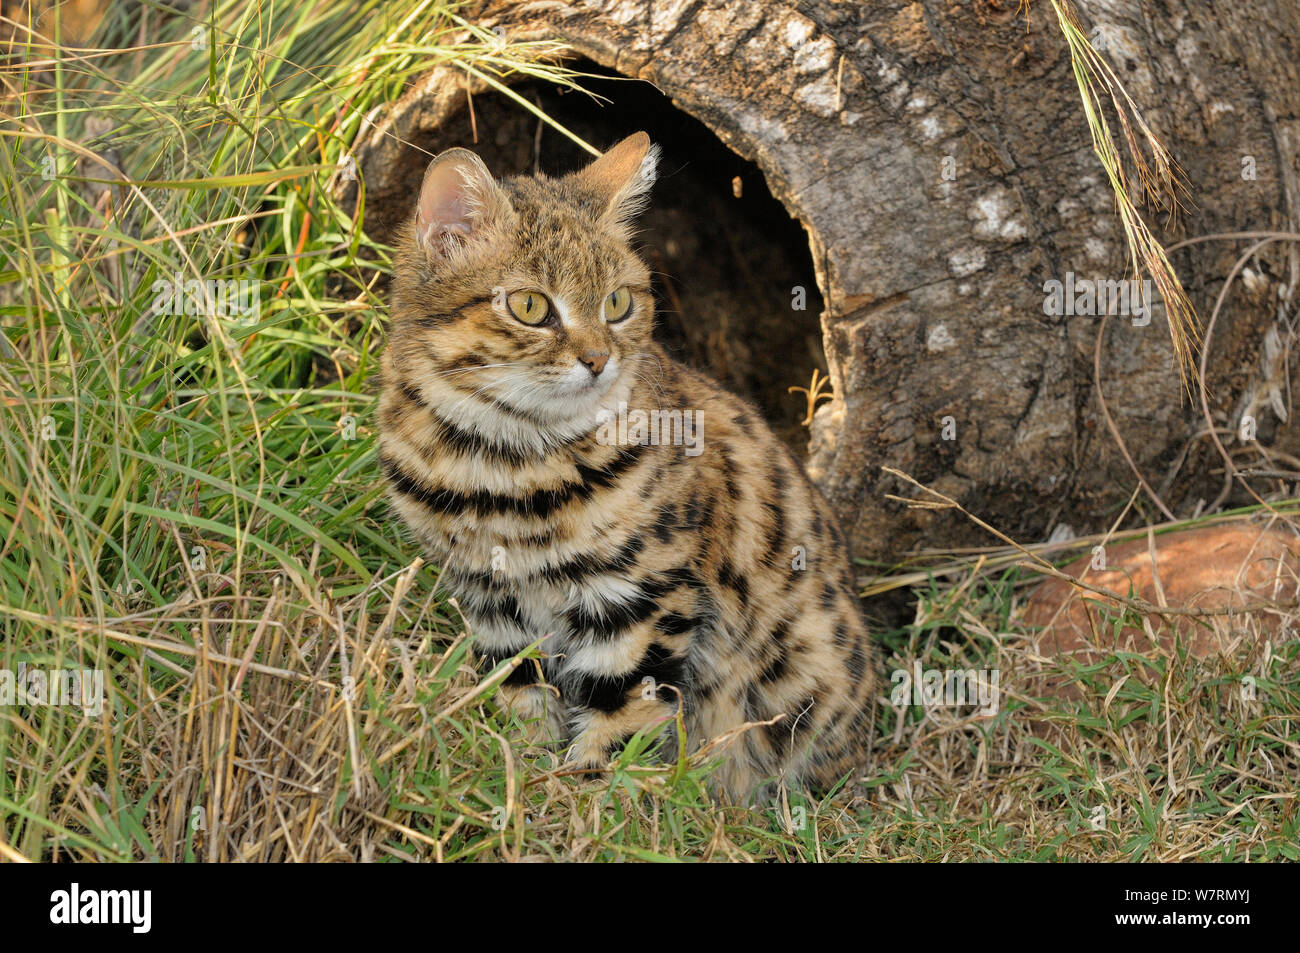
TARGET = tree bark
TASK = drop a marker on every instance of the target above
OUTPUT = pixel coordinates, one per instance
(938, 156)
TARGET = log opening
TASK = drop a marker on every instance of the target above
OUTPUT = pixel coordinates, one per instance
(736, 290)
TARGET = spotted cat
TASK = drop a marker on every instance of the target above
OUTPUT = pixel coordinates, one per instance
(573, 481)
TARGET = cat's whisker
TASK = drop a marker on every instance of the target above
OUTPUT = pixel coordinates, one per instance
(472, 395)
(478, 367)
(640, 373)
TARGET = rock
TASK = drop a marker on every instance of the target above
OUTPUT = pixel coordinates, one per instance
(1232, 564)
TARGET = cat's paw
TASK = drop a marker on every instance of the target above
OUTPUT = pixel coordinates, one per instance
(538, 711)
(587, 760)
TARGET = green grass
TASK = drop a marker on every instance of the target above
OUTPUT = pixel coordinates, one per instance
(191, 505)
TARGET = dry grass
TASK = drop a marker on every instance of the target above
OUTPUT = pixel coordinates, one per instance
(248, 745)
(1144, 173)
(1183, 766)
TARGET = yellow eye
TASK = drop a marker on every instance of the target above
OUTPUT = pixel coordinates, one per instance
(530, 307)
(617, 305)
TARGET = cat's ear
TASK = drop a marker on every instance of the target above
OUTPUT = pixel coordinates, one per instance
(458, 200)
(621, 178)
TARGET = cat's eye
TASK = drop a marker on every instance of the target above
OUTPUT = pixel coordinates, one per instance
(617, 305)
(530, 307)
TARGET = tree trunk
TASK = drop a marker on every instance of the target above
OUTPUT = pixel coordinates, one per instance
(938, 157)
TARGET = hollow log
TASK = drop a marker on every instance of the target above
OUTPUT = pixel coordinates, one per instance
(939, 162)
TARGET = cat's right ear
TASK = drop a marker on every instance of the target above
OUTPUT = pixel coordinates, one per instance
(621, 178)
(458, 201)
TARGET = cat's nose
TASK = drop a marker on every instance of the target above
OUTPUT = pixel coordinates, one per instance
(594, 361)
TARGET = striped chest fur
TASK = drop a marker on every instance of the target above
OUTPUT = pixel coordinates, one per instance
(573, 482)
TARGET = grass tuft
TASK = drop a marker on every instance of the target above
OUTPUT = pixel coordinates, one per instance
(1152, 178)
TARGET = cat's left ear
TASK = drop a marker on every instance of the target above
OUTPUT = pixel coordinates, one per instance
(621, 178)
(459, 200)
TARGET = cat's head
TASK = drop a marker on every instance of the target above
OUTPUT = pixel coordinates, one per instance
(525, 292)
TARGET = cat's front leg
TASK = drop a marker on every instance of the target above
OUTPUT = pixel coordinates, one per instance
(538, 708)
(527, 690)
(618, 684)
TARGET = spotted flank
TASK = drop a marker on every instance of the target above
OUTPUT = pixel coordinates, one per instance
(573, 481)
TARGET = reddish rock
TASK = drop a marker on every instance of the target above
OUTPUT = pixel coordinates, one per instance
(1240, 564)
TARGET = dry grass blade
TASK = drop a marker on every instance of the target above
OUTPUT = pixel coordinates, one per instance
(1036, 563)
(1158, 182)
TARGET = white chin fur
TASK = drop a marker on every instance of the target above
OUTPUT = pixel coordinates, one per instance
(572, 401)
(563, 409)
